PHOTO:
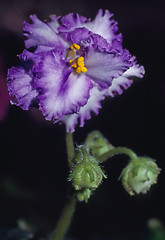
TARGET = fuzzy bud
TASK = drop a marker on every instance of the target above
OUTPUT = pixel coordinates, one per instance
(97, 144)
(87, 172)
(139, 175)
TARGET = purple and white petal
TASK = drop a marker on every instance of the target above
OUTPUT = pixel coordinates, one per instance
(61, 91)
(87, 39)
(70, 22)
(104, 67)
(53, 23)
(125, 81)
(70, 121)
(29, 58)
(45, 73)
(20, 87)
(104, 26)
(79, 35)
(42, 33)
(93, 105)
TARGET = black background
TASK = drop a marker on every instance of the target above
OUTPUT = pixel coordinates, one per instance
(33, 155)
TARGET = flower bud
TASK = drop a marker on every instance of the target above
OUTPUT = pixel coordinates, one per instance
(97, 143)
(87, 172)
(84, 195)
(139, 175)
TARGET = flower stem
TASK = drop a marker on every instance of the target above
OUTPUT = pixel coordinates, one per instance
(65, 220)
(70, 148)
(116, 151)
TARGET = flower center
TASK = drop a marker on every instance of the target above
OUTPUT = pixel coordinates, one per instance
(76, 62)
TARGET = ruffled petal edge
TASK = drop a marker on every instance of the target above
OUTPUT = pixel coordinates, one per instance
(92, 106)
(125, 81)
(20, 88)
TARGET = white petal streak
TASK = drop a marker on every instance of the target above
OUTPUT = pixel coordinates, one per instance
(85, 113)
(42, 33)
(102, 25)
(62, 92)
(123, 82)
(104, 67)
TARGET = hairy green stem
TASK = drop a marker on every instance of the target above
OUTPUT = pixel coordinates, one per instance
(70, 148)
(116, 151)
(65, 220)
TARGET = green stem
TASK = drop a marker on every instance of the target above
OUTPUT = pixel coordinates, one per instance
(116, 151)
(65, 220)
(70, 148)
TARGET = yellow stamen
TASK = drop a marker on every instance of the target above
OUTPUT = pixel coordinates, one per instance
(80, 61)
(75, 46)
(74, 65)
(70, 61)
(77, 64)
(78, 70)
(83, 69)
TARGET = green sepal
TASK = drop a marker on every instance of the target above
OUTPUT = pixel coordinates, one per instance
(97, 144)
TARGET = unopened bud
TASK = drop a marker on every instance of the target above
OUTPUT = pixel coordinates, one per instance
(139, 175)
(84, 195)
(97, 144)
(87, 172)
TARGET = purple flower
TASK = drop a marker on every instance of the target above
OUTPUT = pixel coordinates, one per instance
(70, 66)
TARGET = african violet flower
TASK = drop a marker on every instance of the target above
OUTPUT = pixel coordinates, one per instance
(71, 65)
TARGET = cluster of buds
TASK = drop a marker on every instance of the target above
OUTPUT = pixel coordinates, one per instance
(86, 175)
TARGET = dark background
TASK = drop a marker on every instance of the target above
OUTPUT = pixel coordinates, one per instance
(33, 168)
